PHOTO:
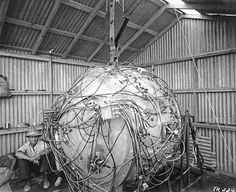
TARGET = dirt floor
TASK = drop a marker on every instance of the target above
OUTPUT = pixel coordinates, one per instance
(210, 183)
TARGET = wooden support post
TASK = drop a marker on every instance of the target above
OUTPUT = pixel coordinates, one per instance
(113, 51)
(182, 158)
(187, 118)
(51, 78)
(195, 110)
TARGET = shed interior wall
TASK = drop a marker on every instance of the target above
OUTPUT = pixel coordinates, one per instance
(30, 80)
(197, 59)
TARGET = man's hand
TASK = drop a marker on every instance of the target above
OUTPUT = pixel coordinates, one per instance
(34, 159)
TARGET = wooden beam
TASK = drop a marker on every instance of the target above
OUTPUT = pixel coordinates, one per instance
(215, 126)
(137, 27)
(97, 50)
(61, 32)
(56, 31)
(81, 7)
(101, 14)
(15, 48)
(21, 56)
(83, 37)
(209, 17)
(3, 11)
(41, 58)
(84, 27)
(16, 93)
(46, 26)
(113, 51)
(203, 6)
(207, 90)
(145, 26)
(158, 3)
(187, 58)
(23, 23)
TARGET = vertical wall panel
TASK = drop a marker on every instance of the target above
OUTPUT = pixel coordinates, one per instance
(190, 36)
(217, 107)
(65, 75)
(10, 142)
(25, 74)
(30, 82)
(209, 92)
(185, 102)
(177, 75)
(21, 109)
(217, 71)
(224, 144)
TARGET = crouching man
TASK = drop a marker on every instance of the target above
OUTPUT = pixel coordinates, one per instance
(32, 158)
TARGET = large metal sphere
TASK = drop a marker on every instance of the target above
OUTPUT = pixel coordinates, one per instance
(113, 127)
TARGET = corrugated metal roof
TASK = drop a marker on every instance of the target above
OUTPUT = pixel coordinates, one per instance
(89, 3)
(84, 48)
(127, 34)
(27, 21)
(163, 21)
(33, 11)
(213, 9)
(69, 19)
(97, 29)
(125, 55)
(103, 54)
(143, 12)
(141, 41)
(18, 36)
(56, 42)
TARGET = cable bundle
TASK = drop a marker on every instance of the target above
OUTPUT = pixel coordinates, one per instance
(116, 126)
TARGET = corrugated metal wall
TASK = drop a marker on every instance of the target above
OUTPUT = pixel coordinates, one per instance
(197, 59)
(224, 144)
(65, 75)
(30, 81)
(11, 141)
(200, 36)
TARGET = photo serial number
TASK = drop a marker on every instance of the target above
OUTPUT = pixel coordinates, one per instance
(223, 189)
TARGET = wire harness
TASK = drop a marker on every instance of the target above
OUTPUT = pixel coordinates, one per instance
(115, 127)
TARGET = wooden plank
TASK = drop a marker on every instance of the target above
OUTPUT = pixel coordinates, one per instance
(141, 30)
(205, 6)
(208, 90)
(113, 50)
(195, 106)
(214, 126)
(46, 26)
(23, 23)
(84, 27)
(18, 130)
(3, 11)
(198, 56)
(22, 56)
(81, 7)
(44, 58)
(135, 26)
(210, 17)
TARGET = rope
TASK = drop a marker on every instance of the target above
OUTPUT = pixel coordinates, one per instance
(202, 84)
